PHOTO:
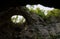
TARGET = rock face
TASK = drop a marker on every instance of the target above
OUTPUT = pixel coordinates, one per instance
(34, 28)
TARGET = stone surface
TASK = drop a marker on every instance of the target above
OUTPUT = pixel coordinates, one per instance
(34, 28)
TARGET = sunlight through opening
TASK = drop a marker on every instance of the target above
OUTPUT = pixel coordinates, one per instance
(41, 7)
(17, 19)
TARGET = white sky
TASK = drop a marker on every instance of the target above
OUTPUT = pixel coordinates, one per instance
(17, 18)
(41, 7)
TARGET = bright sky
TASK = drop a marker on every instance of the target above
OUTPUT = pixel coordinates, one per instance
(41, 7)
(17, 19)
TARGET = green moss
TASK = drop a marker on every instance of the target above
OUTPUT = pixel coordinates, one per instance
(55, 12)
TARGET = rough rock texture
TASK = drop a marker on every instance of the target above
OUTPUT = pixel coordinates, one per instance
(34, 28)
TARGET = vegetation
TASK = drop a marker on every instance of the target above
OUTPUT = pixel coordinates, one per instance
(33, 28)
(55, 12)
(52, 16)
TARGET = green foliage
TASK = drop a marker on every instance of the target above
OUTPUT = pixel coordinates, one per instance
(55, 12)
(53, 16)
(38, 12)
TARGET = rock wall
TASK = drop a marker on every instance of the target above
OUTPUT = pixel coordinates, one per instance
(34, 28)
